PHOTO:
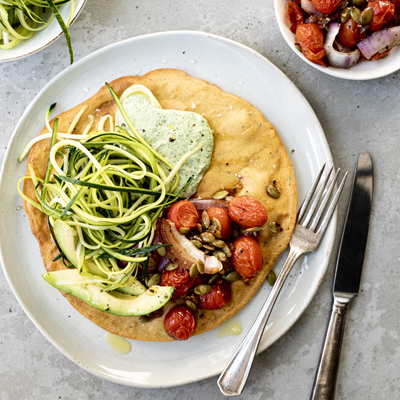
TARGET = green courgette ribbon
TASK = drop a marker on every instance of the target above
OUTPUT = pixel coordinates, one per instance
(110, 188)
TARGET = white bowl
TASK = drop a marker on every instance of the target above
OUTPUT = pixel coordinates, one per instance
(363, 70)
(43, 38)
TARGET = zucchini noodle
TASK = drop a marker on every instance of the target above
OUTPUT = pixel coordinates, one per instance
(108, 187)
(20, 19)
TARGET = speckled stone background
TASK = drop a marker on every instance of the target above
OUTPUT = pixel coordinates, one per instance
(354, 115)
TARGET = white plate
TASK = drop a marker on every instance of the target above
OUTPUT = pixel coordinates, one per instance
(364, 70)
(234, 68)
(43, 38)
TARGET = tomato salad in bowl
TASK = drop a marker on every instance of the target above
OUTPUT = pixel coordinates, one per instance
(341, 32)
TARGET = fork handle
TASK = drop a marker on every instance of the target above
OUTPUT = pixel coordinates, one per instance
(325, 379)
(234, 377)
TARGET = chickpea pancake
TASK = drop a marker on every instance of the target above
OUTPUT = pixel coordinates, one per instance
(248, 159)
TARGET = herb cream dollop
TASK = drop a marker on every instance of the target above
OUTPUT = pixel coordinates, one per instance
(173, 134)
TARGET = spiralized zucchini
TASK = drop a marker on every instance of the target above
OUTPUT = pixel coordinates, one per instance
(20, 19)
(110, 187)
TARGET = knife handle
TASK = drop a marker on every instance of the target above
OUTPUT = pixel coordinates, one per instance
(325, 379)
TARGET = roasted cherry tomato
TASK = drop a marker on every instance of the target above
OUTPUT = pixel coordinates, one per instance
(311, 41)
(247, 212)
(179, 322)
(183, 214)
(219, 296)
(349, 33)
(397, 8)
(294, 14)
(326, 6)
(247, 257)
(383, 13)
(223, 218)
(179, 278)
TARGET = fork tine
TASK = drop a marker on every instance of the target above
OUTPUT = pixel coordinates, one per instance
(314, 204)
(324, 202)
(310, 194)
(332, 206)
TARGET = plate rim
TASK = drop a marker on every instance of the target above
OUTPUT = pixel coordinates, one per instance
(78, 10)
(327, 155)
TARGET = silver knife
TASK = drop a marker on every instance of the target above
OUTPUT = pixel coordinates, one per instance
(347, 276)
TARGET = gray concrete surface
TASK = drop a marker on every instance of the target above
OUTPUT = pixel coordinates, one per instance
(355, 116)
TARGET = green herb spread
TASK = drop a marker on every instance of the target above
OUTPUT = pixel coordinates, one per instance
(173, 134)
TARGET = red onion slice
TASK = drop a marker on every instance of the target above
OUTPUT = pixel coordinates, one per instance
(204, 204)
(341, 47)
(183, 252)
(379, 41)
(307, 6)
(336, 58)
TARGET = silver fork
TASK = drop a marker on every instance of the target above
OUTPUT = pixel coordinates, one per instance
(306, 237)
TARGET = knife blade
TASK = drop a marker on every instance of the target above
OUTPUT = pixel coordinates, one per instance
(354, 238)
(347, 275)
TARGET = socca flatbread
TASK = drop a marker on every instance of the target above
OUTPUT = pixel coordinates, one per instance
(248, 155)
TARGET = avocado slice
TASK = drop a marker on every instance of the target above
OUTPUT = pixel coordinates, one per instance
(69, 281)
(67, 239)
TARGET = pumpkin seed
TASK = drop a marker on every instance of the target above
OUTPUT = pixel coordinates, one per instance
(298, 47)
(198, 238)
(162, 251)
(200, 266)
(196, 243)
(275, 227)
(271, 278)
(359, 3)
(255, 229)
(222, 271)
(220, 195)
(202, 289)
(193, 272)
(212, 228)
(208, 247)
(184, 231)
(217, 234)
(214, 279)
(191, 305)
(236, 233)
(152, 263)
(355, 14)
(207, 237)
(229, 198)
(205, 220)
(154, 280)
(144, 319)
(343, 4)
(345, 15)
(171, 267)
(220, 255)
(207, 251)
(218, 243)
(366, 15)
(216, 222)
(232, 276)
(156, 314)
(199, 228)
(273, 191)
(231, 246)
(227, 251)
(147, 279)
